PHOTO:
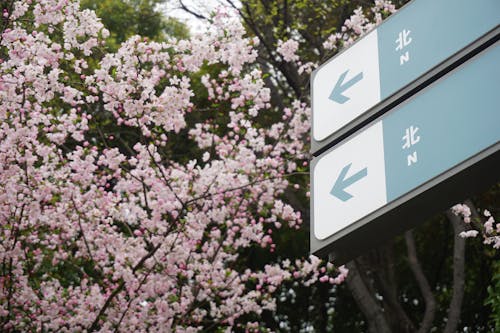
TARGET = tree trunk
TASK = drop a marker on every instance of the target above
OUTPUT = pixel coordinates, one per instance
(458, 274)
(365, 300)
(423, 284)
(382, 263)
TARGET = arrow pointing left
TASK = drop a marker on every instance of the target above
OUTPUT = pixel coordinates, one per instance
(338, 189)
(341, 86)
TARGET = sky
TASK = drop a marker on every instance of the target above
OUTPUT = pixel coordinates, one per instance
(172, 8)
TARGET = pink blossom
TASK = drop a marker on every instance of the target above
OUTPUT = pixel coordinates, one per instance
(468, 234)
(288, 49)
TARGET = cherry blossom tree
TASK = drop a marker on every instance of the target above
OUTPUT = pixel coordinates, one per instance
(104, 234)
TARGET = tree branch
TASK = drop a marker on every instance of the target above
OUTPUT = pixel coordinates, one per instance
(243, 186)
(458, 273)
(190, 11)
(81, 229)
(374, 315)
(382, 260)
(423, 283)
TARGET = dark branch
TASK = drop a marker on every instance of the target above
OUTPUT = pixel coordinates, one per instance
(366, 302)
(423, 284)
(192, 12)
(458, 273)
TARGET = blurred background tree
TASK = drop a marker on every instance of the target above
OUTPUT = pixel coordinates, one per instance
(125, 18)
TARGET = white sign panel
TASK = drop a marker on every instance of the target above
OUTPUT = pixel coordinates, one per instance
(349, 182)
(345, 88)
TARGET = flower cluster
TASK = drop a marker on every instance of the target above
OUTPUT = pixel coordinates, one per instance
(287, 49)
(359, 24)
(487, 226)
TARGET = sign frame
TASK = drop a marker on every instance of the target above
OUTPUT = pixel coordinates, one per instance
(441, 191)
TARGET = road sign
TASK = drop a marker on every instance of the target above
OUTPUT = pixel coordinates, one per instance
(443, 126)
(420, 36)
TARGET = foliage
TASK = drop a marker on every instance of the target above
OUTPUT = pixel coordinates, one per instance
(493, 299)
(136, 17)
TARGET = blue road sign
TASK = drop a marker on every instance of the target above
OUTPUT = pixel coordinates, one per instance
(408, 44)
(445, 124)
